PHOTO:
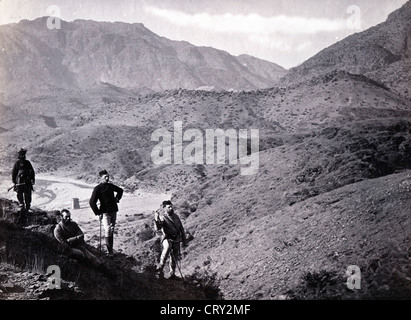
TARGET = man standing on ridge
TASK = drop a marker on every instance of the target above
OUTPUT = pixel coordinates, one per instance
(173, 234)
(23, 178)
(108, 195)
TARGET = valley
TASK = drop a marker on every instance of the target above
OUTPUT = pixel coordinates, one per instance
(332, 181)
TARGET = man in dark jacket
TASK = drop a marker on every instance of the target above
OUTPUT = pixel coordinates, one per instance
(173, 234)
(69, 233)
(23, 178)
(108, 195)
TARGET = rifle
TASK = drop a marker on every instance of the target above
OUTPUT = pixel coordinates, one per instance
(15, 185)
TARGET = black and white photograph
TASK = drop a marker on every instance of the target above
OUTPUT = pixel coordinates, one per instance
(218, 152)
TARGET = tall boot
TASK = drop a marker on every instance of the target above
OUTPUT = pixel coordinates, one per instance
(20, 198)
(111, 240)
(109, 246)
(27, 199)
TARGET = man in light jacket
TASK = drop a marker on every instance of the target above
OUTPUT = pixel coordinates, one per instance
(173, 234)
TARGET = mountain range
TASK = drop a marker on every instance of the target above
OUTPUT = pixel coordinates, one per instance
(333, 181)
(83, 54)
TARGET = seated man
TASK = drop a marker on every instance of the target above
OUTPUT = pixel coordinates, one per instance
(68, 232)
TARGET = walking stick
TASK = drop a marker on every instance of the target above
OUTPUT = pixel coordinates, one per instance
(179, 269)
(178, 266)
(100, 235)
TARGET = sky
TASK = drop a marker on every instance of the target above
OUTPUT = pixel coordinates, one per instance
(286, 32)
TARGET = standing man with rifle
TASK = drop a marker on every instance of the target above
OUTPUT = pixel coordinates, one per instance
(108, 195)
(23, 178)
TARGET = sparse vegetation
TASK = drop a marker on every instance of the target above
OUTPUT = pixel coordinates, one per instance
(27, 250)
(332, 186)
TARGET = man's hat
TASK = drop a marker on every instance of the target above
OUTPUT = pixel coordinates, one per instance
(103, 173)
(22, 151)
(166, 202)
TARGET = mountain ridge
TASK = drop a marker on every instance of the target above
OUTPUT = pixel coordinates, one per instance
(83, 53)
(370, 52)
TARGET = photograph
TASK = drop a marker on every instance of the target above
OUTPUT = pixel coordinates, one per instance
(205, 158)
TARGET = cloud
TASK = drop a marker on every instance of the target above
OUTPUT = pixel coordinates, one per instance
(282, 44)
(249, 24)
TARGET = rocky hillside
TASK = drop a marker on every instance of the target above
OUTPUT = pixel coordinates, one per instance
(264, 249)
(118, 136)
(312, 208)
(381, 53)
(28, 248)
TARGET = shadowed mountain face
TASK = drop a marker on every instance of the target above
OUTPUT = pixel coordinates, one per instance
(333, 175)
(82, 54)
